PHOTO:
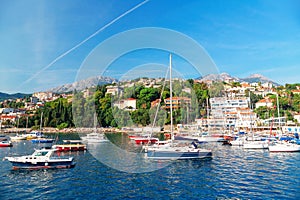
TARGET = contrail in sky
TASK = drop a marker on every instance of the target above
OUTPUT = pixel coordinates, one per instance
(85, 40)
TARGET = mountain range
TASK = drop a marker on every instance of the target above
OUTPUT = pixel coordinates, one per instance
(4, 96)
(100, 80)
(83, 84)
(225, 77)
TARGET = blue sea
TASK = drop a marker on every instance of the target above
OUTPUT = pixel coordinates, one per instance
(232, 173)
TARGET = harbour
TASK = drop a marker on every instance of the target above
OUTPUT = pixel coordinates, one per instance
(150, 99)
(233, 172)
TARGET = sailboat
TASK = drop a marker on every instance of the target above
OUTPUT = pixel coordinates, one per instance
(18, 136)
(36, 133)
(254, 143)
(37, 136)
(172, 150)
(94, 137)
(285, 146)
(282, 145)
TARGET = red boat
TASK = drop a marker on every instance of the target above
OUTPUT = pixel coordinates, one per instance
(145, 140)
(132, 137)
(70, 145)
(5, 143)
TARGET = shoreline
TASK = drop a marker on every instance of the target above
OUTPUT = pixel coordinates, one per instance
(67, 130)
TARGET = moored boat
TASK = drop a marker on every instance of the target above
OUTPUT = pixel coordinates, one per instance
(94, 138)
(42, 140)
(18, 137)
(256, 145)
(145, 140)
(70, 145)
(6, 143)
(41, 159)
(175, 150)
(284, 146)
(3, 138)
(239, 141)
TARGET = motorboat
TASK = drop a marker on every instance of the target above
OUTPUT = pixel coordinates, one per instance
(18, 137)
(94, 138)
(6, 143)
(41, 159)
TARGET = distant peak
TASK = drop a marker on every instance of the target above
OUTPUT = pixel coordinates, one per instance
(256, 76)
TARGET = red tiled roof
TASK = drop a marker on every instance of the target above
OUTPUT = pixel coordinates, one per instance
(265, 101)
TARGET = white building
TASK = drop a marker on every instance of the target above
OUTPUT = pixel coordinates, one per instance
(297, 117)
(264, 102)
(113, 90)
(43, 96)
(230, 112)
(127, 104)
(227, 104)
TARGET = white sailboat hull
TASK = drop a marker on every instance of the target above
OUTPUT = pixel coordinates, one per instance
(288, 147)
(237, 142)
(175, 153)
(256, 145)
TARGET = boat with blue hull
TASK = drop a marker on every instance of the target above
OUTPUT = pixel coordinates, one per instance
(41, 159)
(42, 140)
(175, 150)
(174, 153)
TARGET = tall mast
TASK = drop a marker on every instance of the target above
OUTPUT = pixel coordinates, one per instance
(279, 121)
(41, 121)
(171, 98)
(251, 115)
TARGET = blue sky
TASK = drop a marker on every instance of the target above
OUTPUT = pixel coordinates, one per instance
(241, 37)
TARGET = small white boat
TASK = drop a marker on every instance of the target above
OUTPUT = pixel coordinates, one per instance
(256, 145)
(284, 147)
(18, 137)
(94, 138)
(41, 159)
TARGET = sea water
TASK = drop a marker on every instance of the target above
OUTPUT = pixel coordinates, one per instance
(232, 173)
